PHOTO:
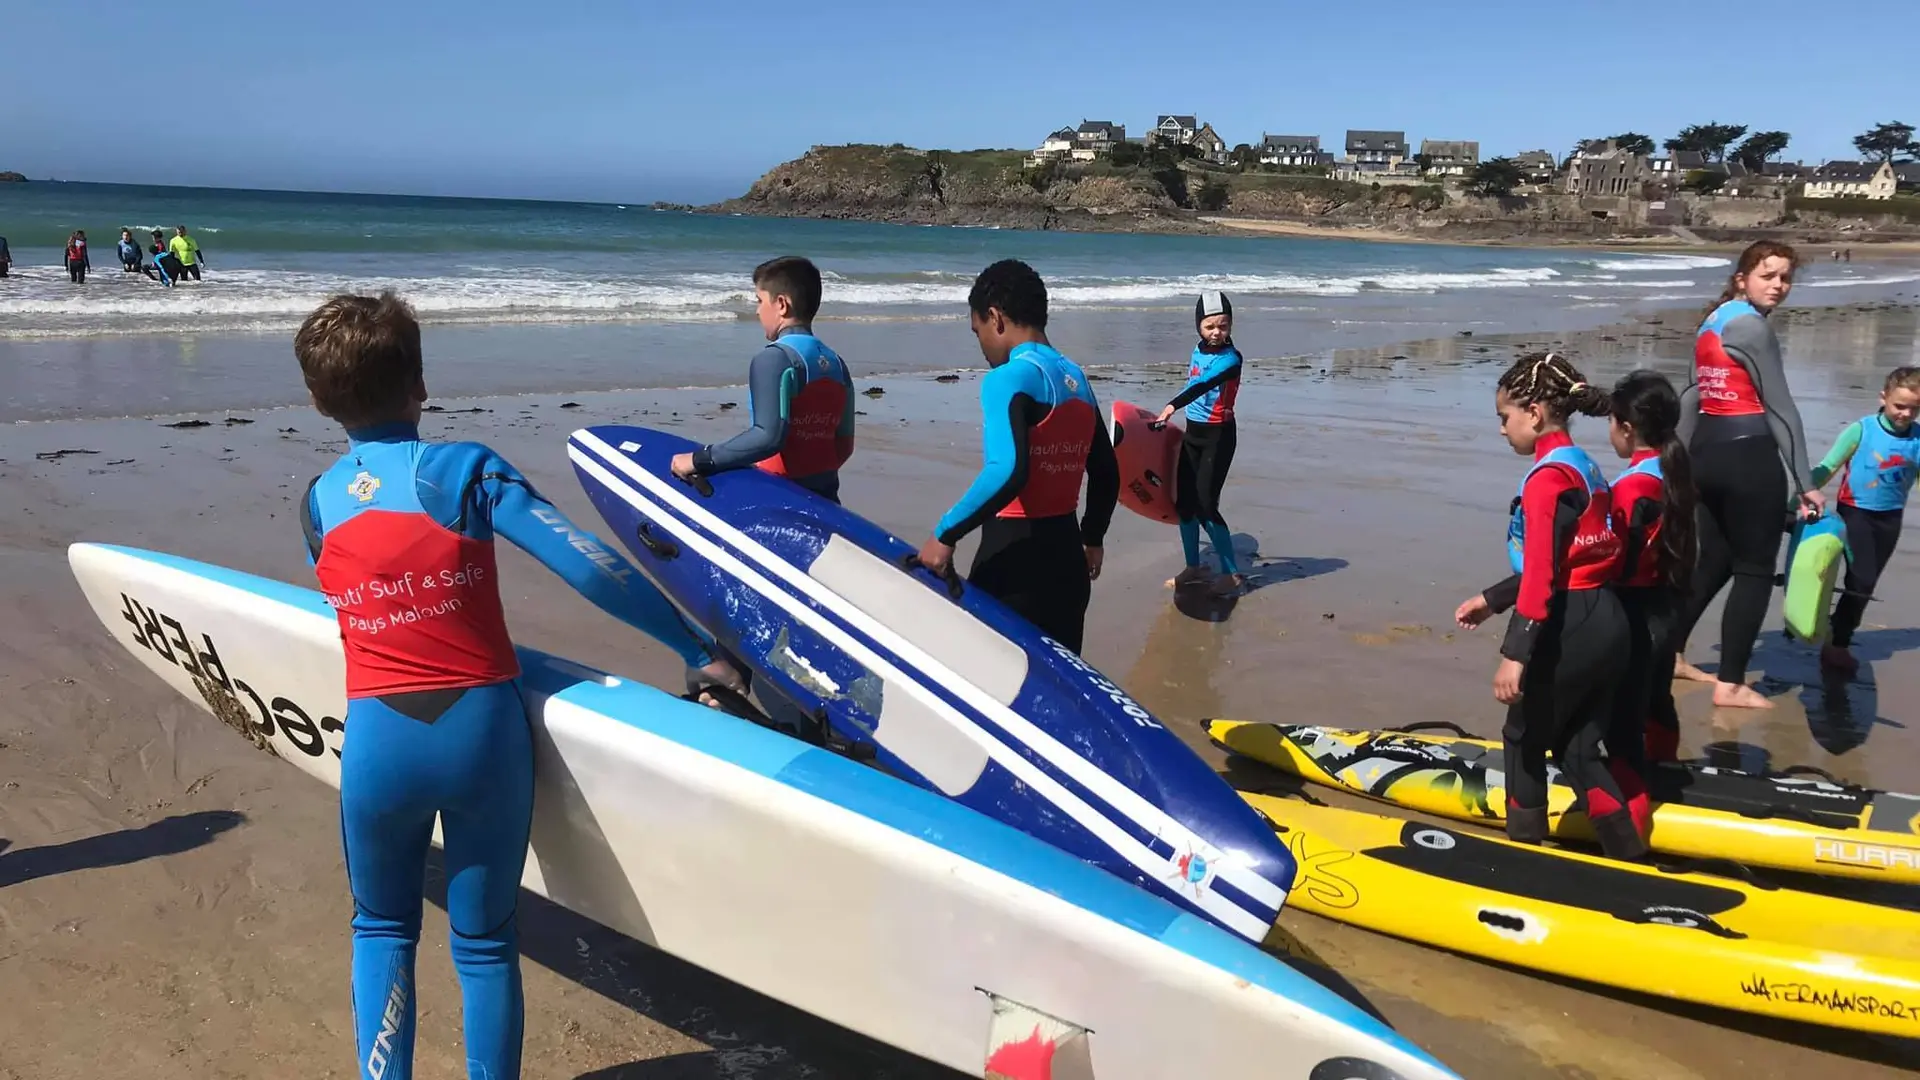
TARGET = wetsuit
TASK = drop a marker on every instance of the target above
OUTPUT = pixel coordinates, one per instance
(129, 257)
(800, 402)
(1043, 434)
(402, 534)
(77, 262)
(1206, 451)
(165, 263)
(1646, 726)
(1740, 423)
(1569, 631)
(1877, 464)
(6, 258)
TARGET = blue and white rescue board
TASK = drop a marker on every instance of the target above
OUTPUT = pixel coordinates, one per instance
(956, 694)
(789, 869)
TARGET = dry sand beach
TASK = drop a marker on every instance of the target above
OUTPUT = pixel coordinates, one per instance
(173, 904)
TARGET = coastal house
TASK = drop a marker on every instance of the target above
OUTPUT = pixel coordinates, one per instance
(1172, 131)
(1603, 168)
(1055, 147)
(1292, 150)
(1449, 157)
(1852, 180)
(1376, 151)
(1212, 147)
(1538, 166)
(1095, 138)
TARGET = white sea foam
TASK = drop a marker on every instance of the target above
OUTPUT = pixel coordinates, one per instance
(1654, 263)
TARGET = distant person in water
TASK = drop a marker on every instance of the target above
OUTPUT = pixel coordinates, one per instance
(1206, 450)
(131, 259)
(77, 262)
(6, 257)
(187, 250)
(164, 261)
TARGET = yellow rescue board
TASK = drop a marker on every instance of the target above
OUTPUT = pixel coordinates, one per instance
(1691, 937)
(1805, 823)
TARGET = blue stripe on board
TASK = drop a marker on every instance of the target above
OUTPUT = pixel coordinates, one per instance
(1125, 822)
(898, 805)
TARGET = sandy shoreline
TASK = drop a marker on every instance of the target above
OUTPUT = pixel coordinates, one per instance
(1388, 235)
(172, 904)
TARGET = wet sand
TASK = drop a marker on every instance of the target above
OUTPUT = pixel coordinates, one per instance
(173, 903)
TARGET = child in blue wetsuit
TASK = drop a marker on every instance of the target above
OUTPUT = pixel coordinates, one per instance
(1876, 458)
(799, 395)
(1043, 435)
(401, 532)
(1206, 448)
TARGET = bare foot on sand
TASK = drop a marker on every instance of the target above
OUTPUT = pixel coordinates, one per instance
(1728, 695)
(1685, 670)
(1838, 658)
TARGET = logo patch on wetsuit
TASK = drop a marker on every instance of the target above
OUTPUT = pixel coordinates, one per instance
(1072, 383)
(363, 486)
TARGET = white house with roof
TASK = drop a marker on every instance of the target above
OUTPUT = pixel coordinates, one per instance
(1173, 130)
(1291, 150)
(1055, 147)
(1449, 157)
(1096, 139)
(1852, 180)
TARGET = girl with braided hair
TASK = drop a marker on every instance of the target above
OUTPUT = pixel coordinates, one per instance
(1567, 644)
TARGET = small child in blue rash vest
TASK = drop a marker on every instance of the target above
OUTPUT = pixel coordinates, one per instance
(1043, 435)
(799, 395)
(401, 533)
(1876, 458)
(1206, 450)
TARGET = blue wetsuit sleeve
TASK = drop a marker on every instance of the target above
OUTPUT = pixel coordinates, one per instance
(582, 560)
(769, 423)
(1220, 367)
(1842, 452)
(1009, 395)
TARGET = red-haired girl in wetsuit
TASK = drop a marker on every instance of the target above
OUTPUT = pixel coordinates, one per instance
(1653, 512)
(1566, 648)
(1749, 451)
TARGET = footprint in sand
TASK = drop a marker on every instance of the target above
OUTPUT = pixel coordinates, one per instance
(1396, 632)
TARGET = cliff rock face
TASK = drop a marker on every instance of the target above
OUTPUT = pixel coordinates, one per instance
(978, 187)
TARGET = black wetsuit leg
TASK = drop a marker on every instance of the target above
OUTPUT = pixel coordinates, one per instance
(1566, 707)
(1743, 511)
(76, 271)
(1037, 567)
(1206, 455)
(1871, 536)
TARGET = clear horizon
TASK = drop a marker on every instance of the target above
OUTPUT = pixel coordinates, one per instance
(597, 103)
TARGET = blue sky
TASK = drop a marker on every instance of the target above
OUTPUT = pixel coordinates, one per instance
(593, 99)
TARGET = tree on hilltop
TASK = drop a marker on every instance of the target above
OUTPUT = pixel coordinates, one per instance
(1884, 141)
(1634, 143)
(1709, 139)
(1127, 154)
(1760, 146)
(1495, 177)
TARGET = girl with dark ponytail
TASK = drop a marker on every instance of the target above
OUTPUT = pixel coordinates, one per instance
(1566, 647)
(1653, 511)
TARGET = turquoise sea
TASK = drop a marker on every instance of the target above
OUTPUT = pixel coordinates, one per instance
(524, 295)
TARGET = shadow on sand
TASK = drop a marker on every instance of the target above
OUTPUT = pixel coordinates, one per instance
(168, 836)
(1208, 604)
